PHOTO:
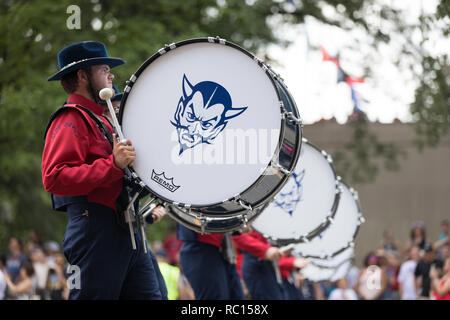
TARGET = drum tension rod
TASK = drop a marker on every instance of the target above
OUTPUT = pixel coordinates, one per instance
(278, 166)
(244, 205)
(130, 219)
(289, 115)
(138, 217)
(203, 221)
(245, 218)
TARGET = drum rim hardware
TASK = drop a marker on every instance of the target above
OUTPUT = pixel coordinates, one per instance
(360, 221)
(327, 220)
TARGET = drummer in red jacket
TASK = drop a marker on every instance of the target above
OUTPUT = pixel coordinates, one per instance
(83, 172)
(288, 267)
(258, 268)
(209, 263)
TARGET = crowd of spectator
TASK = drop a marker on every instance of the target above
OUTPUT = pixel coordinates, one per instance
(420, 269)
(33, 271)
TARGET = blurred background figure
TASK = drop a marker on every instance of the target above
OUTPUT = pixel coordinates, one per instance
(443, 239)
(318, 291)
(172, 246)
(24, 288)
(34, 241)
(352, 275)
(51, 249)
(178, 287)
(406, 278)
(422, 272)
(41, 268)
(342, 291)
(15, 259)
(389, 243)
(2, 277)
(171, 274)
(441, 286)
(372, 280)
(417, 237)
(56, 285)
(305, 287)
(393, 260)
(442, 255)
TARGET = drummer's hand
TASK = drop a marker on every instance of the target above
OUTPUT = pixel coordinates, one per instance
(248, 229)
(300, 263)
(272, 253)
(158, 213)
(123, 154)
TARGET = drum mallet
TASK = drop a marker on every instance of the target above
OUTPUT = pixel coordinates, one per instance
(276, 269)
(106, 94)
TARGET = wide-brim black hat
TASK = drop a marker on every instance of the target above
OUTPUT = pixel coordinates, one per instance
(81, 55)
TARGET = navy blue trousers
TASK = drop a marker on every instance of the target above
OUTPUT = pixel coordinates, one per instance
(260, 279)
(291, 292)
(109, 267)
(210, 276)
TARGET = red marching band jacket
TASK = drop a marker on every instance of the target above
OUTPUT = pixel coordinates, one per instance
(255, 244)
(77, 159)
(286, 264)
(252, 243)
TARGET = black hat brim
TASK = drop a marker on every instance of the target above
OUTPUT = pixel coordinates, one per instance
(111, 62)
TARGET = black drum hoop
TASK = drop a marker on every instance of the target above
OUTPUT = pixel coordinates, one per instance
(351, 243)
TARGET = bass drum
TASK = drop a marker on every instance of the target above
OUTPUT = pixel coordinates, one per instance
(341, 233)
(216, 132)
(307, 204)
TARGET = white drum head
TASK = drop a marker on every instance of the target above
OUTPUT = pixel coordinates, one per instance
(335, 261)
(305, 203)
(339, 234)
(341, 271)
(204, 119)
(316, 274)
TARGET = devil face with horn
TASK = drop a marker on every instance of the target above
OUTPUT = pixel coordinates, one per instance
(203, 112)
(289, 197)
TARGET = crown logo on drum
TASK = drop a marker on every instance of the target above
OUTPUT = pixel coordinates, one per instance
(162, 180)
(288, 199)
(203, 112)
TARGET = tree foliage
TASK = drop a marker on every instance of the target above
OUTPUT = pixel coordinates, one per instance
(33, 32)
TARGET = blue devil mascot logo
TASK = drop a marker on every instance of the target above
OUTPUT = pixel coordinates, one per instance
(288, 200)
(203, 112)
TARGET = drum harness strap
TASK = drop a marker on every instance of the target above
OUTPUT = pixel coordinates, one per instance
(123, 199)
(227, 248)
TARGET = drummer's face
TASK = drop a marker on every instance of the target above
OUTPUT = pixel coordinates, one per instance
(102, 77)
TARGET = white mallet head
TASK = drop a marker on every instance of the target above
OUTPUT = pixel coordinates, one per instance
(106, 93)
